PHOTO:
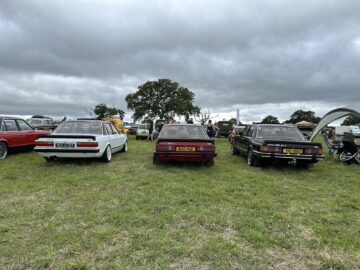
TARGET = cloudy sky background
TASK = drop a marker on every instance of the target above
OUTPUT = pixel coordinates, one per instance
(264, 57)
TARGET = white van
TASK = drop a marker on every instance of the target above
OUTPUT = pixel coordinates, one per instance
(339, 131)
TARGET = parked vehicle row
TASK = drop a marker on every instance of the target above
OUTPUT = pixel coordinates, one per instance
(260, 143)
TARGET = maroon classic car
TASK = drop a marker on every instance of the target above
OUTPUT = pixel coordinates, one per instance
(184, 142)
(16, 134)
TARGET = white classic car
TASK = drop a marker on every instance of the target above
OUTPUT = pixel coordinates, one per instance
(82, 139)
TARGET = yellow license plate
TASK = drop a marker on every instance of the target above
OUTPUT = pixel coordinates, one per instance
(185, 149)
(292, 151)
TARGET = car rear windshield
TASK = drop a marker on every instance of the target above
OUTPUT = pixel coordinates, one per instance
(279, 133)
(79, 127)
(145, 126)
(186, 131)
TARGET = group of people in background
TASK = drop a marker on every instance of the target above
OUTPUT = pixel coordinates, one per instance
(211, 129)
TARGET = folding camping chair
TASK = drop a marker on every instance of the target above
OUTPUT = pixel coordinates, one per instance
(332, 149)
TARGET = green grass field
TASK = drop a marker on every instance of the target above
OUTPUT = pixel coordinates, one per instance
(131, 214)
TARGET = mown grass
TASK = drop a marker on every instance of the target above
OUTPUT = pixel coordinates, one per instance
(132, 214)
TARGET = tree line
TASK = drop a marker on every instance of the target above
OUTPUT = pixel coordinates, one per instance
(166, 99)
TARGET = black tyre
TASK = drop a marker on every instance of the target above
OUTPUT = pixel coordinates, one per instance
(106, 157)
(156, 160)
(125, 147)
(304, 164)
(251, 159)
(137, 138)
(48, 159)
(234, 150)
(209, 163)
(4, 150)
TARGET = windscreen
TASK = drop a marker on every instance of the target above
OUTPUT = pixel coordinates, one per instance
(279, 133)
(185, 131)
(79, 127)
(144, 126)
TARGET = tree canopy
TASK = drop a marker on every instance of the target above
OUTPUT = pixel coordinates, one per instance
(101, 110)
(301, 115)
(351, 120)
(163, 98)
(270, 120)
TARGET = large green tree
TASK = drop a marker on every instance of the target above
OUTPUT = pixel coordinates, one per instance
(163, 98)
(301, 115)
(101, 110)
(351, 120)
(270, 120)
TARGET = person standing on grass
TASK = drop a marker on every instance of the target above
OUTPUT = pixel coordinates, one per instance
(210, 129)
(151, 129)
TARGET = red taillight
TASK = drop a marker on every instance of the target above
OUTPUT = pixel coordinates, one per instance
(87, 144)
(271, 149)
(313, 151)
(43, 143)
(165, 148)
(206, 148)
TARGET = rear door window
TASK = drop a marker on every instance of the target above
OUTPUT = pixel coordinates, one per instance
(23, 125)
(10, 125)
(114, 131)
(108, 129)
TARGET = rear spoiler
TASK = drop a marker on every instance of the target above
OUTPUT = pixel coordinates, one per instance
(185, 140)
(68, 136)
(291, 142)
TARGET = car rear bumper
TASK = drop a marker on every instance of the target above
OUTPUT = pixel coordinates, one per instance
(194, 157)
(69, 153)
(267, 155)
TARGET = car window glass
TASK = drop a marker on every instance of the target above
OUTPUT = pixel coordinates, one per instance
(79, 127)
(245, 130)
(11, 125)
(23, 125)
(248, 132)
(3, 128)
(114, 131)
(105, 130)
(108, 128)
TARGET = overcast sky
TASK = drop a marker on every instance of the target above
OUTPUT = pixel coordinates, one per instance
(264, 57)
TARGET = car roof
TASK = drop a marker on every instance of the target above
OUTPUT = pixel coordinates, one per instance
(183, 125)
(272, 125)
(10, 117)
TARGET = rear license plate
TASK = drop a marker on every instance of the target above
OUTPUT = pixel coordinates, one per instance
(292, 151)
(185, 149)
(65, 145)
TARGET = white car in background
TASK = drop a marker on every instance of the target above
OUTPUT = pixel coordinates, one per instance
(142, 131)
(82, 139)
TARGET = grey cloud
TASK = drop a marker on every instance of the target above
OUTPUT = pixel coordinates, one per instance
(65, 55)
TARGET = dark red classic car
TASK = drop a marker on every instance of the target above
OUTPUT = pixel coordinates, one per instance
(16, 134)
(184, 142)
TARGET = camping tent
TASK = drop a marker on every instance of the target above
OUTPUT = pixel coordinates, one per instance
(331, 117)
(305, 124)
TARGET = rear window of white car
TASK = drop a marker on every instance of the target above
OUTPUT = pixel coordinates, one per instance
(79, 127)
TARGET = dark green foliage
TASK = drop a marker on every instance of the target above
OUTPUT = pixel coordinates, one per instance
(351, 120)
(101, 110)
(301, 115)
(270, 120)
(163, 98)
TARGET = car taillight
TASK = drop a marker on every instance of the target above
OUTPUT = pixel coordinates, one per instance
(165, 148)
(87, 144)
(313, 151)
(271, 149)
(206, 148)
(42, 143)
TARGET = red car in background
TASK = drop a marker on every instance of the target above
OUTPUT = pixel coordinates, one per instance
(16, 134)
(184, 142)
